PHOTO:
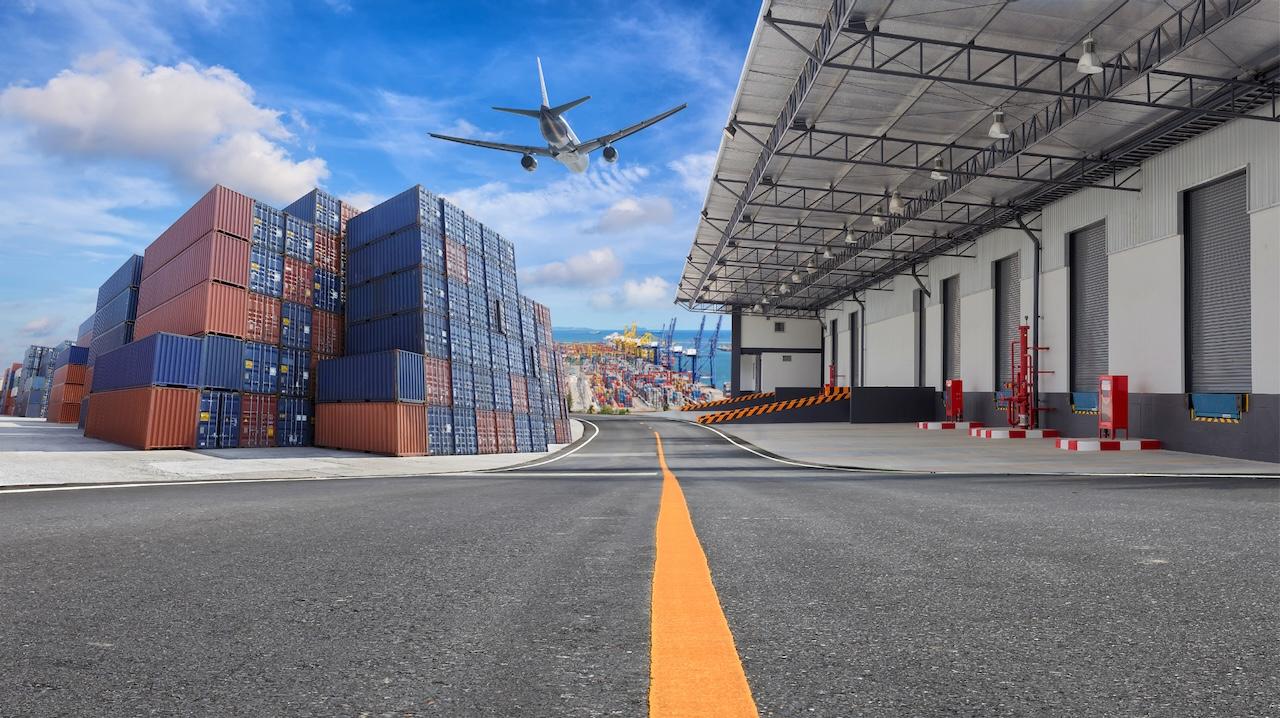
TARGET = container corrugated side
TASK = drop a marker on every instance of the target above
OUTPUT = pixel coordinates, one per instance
(266, 271)
(298, 278)
(262, 321)
(257, 420)
(208, 308)
(295, 325)
(220, 209)
(390, 376)
(218, 424)
(299, 239)
(380, 428)
(220, 362)
(74, 354)
(328, 250)
(70, 374)
(294, 378)
(86, 327)
(160, 359)
(215, 256)
(113, 338)
(259, 367)
(268, 228)
(128, 275)
(145, 418)
(121, 308)
(326, 333)
(294, 422)
(408, 207)
(327, 294)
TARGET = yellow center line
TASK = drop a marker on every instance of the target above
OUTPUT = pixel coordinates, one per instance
(694, 669)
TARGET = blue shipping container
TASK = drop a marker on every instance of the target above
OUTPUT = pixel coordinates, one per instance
(294, 422)
(268, 228)
(157, 360)
(413, 206)
(220, 363)
(128, 275)
(408, 248)
(259, 368)
(72, 355)
(328, 291)
(440, 430)
(295, 325)
(397, 376)
(295, 372)
(218, 426)
(120, 308)
(318, 207)
(113, 338)
(266, 271)
(299, 239)
(86, 326)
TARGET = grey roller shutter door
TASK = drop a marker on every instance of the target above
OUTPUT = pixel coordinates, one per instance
(951, 328)
(1008, 315)
(1218, 312)
(1089, 307)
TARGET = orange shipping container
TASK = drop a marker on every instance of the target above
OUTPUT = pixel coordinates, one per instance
(326, 333)
(216, 256)
(328, 250)
(257, 420)
(207, 308)
(70, 374)
(377, 427)
(298, 278)
(55, 393)
(519, 394)
(64, 412)
(439, 381)
(69, 393)
(88, 379)
(149, 417)
(262, 323)
(220, 209)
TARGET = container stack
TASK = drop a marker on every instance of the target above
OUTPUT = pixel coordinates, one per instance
(117, 309)
(9, 388)
(34, 380)
(548, 411)
(68, 385)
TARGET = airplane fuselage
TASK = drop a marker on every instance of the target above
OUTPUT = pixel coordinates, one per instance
(561, 140)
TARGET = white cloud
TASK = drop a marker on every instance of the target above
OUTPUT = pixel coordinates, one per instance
(633, 212)
(462, 128)
(644, 293)
(695, 170)
(201, 124)
(595, 268)
(40, 326)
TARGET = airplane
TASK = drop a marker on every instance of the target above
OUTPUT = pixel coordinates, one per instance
(562, 144)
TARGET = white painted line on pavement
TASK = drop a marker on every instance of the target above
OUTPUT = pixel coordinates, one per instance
(555, 458)
(731, 440)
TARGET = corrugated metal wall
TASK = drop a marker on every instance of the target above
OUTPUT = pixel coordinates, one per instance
(1218, 312)
(1089, 307)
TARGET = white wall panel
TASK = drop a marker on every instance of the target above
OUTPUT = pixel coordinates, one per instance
(757, 332)
(1146, 327)
(977, 340)
(891, 352)
(1055, 330)
(1264, 285)
(933, 344)
(789, 370)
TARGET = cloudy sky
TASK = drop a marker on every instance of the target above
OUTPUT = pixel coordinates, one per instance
(115, 115)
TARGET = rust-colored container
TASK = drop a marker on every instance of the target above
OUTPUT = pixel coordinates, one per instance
(376, 427)
(215, 256)
(70, 393)
(149, 417)
(345, 213)
(504, 423)
(455, 260)
(439, 381)
(220, 209)
(486, 436)
(88, 379)
(562, 431)
(257, 420)
(328, 250)
(262, 322)
(519, 394)
(207, 308)
(326, 333)
(55, 393)
(63, 412)
(70, 374)
(298, 279)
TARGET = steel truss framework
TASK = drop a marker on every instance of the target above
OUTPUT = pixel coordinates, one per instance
(870, 258)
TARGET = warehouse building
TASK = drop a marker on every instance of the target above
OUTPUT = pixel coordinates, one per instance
(898, 192)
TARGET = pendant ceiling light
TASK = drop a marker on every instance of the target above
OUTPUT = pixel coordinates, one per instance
(997, 130)
(895, 204)
(939, 170)
(1088, 64)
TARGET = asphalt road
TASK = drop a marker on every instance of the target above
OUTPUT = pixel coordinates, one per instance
(527, 593)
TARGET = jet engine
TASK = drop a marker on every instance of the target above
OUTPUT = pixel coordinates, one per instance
(609, 153)
(528, 163)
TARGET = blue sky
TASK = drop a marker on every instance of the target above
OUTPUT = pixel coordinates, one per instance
(115, 115)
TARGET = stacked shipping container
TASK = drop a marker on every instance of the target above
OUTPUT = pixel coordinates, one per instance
(31, 397)
(438, 341)
(68, 385)
(9, 388)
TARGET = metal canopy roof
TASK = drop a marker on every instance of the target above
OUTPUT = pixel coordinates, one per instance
(841, 104)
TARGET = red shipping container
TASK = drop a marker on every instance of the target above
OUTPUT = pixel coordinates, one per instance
(519, 394)
(64, 412)
(220, 209)
(326, 332)
(207, 308)
(257, 420)
(69, 374)
(328, 250)
(215, 256)
(55, 393)
(563, 434)
(455, 260)
(345, 213)
(88, 379)
(298, 278)
(486, 438)
(149, 417)
(439, 381)
(72, 393)
(262, 320)
(505, 431)
(376, 427)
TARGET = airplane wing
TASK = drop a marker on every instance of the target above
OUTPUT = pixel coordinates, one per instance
(518, 149)
(601, 141)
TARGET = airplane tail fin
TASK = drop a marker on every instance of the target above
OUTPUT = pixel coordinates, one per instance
(558, 109)
(542, 82)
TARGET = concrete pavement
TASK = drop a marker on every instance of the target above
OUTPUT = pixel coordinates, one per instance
(527, 592)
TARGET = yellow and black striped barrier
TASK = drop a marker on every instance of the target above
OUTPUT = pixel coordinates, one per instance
(704, 405)
(826, 397)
